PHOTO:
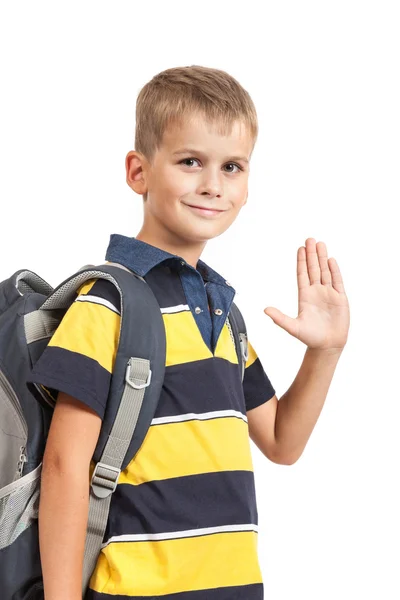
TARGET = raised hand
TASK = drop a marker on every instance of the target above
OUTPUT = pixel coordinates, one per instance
(324, 315)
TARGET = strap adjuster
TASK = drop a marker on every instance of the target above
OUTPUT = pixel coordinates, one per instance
(244, 346)
(104, 480)
(137, 386)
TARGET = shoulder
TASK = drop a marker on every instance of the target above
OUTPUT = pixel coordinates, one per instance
(100, 291)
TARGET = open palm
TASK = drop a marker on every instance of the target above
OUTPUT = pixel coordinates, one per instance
(324, 315)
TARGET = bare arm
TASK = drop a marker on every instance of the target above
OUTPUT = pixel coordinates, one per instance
(64, 498)
(281, 429)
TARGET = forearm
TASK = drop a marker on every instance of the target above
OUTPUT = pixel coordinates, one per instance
(63, 513)
(299, 408)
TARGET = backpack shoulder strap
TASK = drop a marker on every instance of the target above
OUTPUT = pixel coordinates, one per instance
(138, 372)
(239, 331)
(142, 345)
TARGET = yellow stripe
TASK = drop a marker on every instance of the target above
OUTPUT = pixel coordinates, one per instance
(185, 342)
(173, 566)
(252, 355)
(225, 346)
(190, 448)
(89, 329)
(86, 287)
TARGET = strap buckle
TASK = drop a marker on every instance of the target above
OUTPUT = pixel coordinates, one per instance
(104, 480)
(137, 386)
(244, 346)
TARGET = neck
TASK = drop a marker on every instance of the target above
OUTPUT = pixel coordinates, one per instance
(190, 252)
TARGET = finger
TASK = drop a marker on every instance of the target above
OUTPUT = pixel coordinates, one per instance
(279, 318)
(326, 278)
(336, 276)
(314, 271)
(302, 273)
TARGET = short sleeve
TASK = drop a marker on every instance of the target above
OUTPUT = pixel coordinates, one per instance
(257, 387)
(80, 356)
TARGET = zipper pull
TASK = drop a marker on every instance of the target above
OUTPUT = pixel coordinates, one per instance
(22, 460)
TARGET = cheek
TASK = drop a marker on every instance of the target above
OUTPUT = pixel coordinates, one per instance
(237, 188)
(173, 183)
(239, 197)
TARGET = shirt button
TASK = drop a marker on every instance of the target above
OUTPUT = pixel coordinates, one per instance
(182, 262)
(218, 311)
(197, 310)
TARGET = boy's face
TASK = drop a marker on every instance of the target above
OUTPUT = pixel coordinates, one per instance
(212, 175)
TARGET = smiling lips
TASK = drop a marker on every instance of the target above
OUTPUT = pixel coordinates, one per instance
(204, 210)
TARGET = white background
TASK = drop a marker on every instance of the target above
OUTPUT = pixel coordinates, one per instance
(324, 77)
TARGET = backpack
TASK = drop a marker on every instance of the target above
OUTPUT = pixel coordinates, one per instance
(30, 312)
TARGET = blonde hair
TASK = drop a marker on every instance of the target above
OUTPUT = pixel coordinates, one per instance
(180, 93)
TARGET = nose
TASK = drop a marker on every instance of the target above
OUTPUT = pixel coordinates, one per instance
(211, 184)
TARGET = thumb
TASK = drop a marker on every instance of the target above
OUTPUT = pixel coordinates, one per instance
(279, 318)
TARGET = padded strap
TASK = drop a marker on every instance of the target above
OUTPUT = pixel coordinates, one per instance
(63, 296)
(39, 325)
(240, 334)
(106, 473)
(107, 470)
(28, 282)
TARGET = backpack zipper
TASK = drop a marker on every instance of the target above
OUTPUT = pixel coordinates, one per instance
(22, 460)
(10, 396)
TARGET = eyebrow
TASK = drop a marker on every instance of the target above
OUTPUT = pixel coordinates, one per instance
(193, 151)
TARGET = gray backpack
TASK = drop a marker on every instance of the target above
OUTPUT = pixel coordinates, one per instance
(30, 312)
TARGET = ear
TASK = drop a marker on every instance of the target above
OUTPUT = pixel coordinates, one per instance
(135, 165)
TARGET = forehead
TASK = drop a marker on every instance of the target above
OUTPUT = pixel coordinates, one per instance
(199, 133)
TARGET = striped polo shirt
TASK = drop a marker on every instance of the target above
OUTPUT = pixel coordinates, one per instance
(183, 518)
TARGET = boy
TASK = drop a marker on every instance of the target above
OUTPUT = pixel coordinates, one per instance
(183, 519)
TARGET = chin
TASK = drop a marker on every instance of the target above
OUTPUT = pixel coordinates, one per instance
(197, 234)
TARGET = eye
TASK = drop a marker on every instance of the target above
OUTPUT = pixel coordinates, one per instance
(235, 165)
(185, 160)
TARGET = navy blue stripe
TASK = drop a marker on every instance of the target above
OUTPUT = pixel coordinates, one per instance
(254, 591)
(75, 374)
(256, 385)
(106, 290)
(201, 386)
(166, 284)
(181, 503)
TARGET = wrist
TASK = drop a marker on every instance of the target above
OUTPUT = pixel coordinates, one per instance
(325, 351)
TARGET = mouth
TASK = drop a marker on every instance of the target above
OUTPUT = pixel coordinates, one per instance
(205, 211)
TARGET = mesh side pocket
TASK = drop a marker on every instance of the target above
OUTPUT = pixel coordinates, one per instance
(19, 506)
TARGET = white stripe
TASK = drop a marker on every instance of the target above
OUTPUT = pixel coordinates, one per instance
(97, 300)
(175, 309)
(148, 537)
(199, 417)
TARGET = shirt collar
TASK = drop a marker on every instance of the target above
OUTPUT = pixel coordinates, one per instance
(141, 257)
